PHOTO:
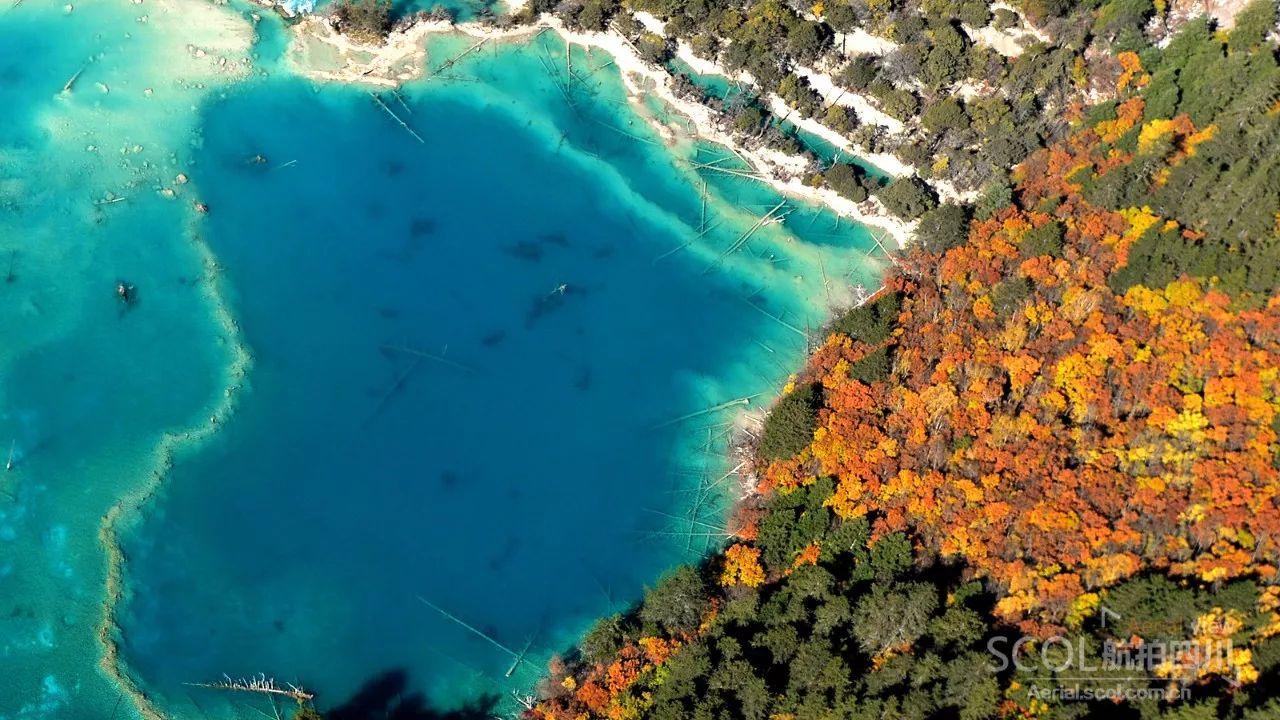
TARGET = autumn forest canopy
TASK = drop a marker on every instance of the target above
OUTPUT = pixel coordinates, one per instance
(1062, 407)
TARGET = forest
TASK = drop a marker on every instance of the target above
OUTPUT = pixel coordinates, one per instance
(1045, 454)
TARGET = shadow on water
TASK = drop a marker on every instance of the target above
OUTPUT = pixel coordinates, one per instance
(387, 697)
(534, 250)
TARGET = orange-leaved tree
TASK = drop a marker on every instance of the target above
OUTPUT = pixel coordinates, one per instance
(1056, 431)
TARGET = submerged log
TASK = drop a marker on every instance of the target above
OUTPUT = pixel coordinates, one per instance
(70, 84)
(440, 358)
(707, 411)
(454, 60)
(518, 656)
(392, 391)
(766, 219)
(395, 117)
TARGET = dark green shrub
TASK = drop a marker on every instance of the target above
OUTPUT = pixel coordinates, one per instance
(603, 640)
(895, 102)
(859, 73)
(807, 40)
(847, 180)
(870, 322)
(678, 602)
(943, 228)
(789, 427)
(1008, 295)
(1044, 240)
(873, 367)
(945, 114)
(1005, 19)
(907, 197)
(994, 196)
(653, 47)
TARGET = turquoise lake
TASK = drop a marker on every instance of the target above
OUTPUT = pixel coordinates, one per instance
(477, 372)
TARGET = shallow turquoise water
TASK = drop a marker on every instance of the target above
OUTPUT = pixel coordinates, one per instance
(543, 242)
(80, 413)
(723, 88)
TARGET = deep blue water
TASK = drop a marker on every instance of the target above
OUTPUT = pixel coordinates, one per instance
(562, 265)
(521, 491)
(719, 86)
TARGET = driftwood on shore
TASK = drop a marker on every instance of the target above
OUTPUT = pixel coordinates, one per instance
(259, 684)
(454, 60)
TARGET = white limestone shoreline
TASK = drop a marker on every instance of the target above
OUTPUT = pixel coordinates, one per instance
(320, 52)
